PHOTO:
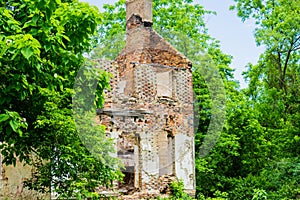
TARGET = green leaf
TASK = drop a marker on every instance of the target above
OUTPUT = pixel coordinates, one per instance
(27, 52)
(20, 132)
(3, 117)
(47, 47)
(14, 125)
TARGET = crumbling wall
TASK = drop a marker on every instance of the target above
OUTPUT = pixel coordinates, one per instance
(151, 109)
(145, 46)
(12, 183)
(153, 121)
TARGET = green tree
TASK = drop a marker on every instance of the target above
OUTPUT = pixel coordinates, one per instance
(42, 46)
(260, 160)
(274, 96)
(274, 81)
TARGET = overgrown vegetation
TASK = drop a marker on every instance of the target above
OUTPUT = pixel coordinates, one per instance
(177, 191)
(42, 46)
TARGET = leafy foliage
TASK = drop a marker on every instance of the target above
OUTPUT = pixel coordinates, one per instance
(177, 191)
(271, 147)
(261, 155)
(42, 46)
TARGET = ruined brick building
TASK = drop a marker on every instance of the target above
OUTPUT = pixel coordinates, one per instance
(149, 111)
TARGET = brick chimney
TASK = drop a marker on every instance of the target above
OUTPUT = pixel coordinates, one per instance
(141, 10)
(138, 26)
(143, 44)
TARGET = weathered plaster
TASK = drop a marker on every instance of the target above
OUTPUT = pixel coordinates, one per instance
(12, 183)
(184, 160)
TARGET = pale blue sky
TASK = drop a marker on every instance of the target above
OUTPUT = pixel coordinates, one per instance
(236, 38)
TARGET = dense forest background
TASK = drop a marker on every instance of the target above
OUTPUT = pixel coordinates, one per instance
(43, 44)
